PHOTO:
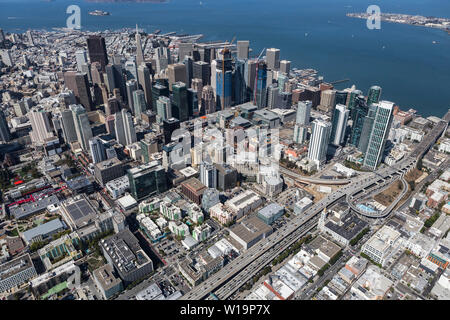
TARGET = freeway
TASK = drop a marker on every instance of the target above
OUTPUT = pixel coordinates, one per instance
(255, 258)
(301, 178)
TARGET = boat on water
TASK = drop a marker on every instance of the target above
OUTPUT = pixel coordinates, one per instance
(99, 13)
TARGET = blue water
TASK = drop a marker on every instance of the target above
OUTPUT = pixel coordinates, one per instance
(413, 72)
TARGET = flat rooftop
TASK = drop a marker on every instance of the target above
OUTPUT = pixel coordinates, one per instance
(250, 229)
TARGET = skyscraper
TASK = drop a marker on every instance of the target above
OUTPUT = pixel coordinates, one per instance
(139, 52)
(131, 86)
(5, 134)
(81, 58)
(139, 104)
(303, 112)
(352, 101)
(300, 133)
(192, 102)
(374, 95)
(208, 175)
(379, 134)
(242, 49)
(261, 85)
(285, 66)
(202, 70)
(145, 82)
(146, 180)
(250, 76)
(179, 101)
(68, 126)
(163, 108)
(82, 126)
(208, 104)
(318, 144)
(124, 128)
(273, 58)
(97, 50)
(340, 117)
(367, 128)
(158, 90)
(224, 79)
(78, 83)
(341, 97)
(169, 126)
(239, 87)
(328, 99)
(6, 57)
(97, 149)
(40, 124)
(176, 73)
(188, 62)
(360, 110)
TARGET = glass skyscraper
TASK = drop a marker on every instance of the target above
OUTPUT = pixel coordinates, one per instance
(378, 136)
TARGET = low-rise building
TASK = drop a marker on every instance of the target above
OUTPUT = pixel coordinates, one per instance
(271, 212)
(43, 231)
(16, 272)
(372, 285)
(123, 252)
(382, 245)
(107, 282)
(250, 231)
(118, 187)
(243, 203)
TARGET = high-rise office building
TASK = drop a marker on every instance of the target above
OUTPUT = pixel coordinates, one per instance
(145, 83)
(78, 83)
(147, 180)
(341, 97)
(130, 69)
(169, 126)
(239, 86)
(202, 70)
(303, 112)
(273, 96)
(124, 127)
(318, 145)
(81, 58)
(82, 126)
(139, 51)
(139, 104)
(68, 126)
(40, 124)
(352, 103)
(158, 90)
(163, 108)
(179, 101)
(176, 73)
(379, 134)
(243, 49)
(188, 62)
(328, 99)
(208, 104)
(184, 49)
(339, 120)
(224, 79)
(98, 150)
(285, 66)
(273, 58)
(208, 175)
(261, 85)
(300, 133)
(192, 103)
(360, 110)
(5, 133)
(250, 77)
(131, 86)
(112, 106)
(97, 50)
(374, 95)
(367, 128)
(282, 80)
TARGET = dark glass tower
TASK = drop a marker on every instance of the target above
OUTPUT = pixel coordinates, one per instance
(158, 90)
(179, 101)
(359, 113)
(97, 50)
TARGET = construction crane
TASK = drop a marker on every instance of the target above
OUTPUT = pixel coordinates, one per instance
(224, 50)
(256, 76)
